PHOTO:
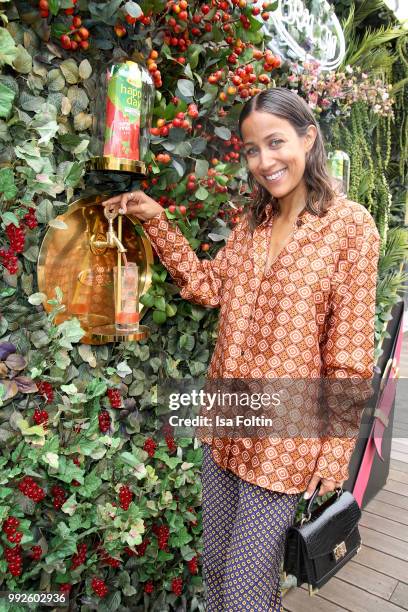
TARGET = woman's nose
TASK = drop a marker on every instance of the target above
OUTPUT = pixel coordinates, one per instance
(265, 160)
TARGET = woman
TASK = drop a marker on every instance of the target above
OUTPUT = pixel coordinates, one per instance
(296, 287)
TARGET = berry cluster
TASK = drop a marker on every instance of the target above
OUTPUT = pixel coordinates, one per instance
(153, 69)
(99, 587)
(45, 389)
(177, 585)
(141, 548)
(162, 533)
(36, 553)
(14, 560)
(16, 237)
(80, 557)
(10, 261)
(65, 587)
(125, 497)
(149, 587)
(40, 416)
(150, 447)
(106, 558)
(31, 489)
(30, 219)
(193, 565)
(10, 529)
(171, 445)
(115, 398)
(104, 421)
(77, 37)
(59, 496)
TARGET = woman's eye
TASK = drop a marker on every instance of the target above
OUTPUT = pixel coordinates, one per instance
(274, 143)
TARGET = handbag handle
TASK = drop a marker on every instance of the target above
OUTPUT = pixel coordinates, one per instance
(306, 516)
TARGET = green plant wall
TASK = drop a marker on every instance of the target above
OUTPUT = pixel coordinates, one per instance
(87, 475)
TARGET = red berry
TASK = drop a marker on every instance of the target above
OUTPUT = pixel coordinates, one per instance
(104, 421)
(65, 41)
(192, 565)
(45, 389)
(30, 218)
(80, 557)
(65, 587)
(149, 587)
(125, 497)
(16, 236)
(163, 533)
(40, 416)
(141, 548)
(115, 398)
(150, 445)
(171, 445)
(36, 553)
(177, 586)
(99, 587)
(76, 21)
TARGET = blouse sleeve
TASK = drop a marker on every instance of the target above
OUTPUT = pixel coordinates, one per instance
(348, 348)
(200, 280)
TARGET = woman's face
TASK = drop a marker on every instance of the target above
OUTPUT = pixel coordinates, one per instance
(275, 154)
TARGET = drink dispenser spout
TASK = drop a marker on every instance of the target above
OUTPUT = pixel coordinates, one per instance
(112, 239)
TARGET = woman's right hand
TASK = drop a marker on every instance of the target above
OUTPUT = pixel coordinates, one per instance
(134, 203)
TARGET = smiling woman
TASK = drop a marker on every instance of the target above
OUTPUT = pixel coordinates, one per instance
(285, 155)
(296, 286)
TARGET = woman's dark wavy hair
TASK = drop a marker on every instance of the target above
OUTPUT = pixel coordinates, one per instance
(288, 105)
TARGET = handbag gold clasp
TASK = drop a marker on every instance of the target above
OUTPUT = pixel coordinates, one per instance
(312, 590)
(339, 551)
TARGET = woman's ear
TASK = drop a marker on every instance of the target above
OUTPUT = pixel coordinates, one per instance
(310, 137)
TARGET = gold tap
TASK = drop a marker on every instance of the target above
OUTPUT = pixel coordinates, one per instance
(111, 238)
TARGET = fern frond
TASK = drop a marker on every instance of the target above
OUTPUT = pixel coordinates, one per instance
(367, 8)
(359, 51)
(396, 250)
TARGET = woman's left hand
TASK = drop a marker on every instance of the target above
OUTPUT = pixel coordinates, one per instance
(326, 486)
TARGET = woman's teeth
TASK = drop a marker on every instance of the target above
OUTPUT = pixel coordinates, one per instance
(276, 176)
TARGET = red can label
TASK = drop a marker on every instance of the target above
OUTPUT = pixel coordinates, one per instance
(123, 108)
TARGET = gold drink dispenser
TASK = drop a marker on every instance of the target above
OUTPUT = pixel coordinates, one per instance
(79, 261)
(99, 260)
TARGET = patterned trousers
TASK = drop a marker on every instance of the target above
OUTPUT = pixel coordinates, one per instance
(244, 529)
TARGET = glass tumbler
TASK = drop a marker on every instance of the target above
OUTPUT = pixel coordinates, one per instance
(126, 297)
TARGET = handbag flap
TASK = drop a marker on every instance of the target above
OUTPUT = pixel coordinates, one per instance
(331, 523)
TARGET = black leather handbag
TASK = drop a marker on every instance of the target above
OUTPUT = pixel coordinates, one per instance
(323, 540)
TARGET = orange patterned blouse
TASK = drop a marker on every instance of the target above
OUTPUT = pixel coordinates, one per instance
(310, 315)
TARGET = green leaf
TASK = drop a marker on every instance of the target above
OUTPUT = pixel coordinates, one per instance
(7, 96)
(201, 193)
(54, 6)
(222, 132)
(70, 71)
(133, 9)
(8, 49)
(186, 342)
(73, 176)
(186, 87)
(85, 69)
(201, 168)
(9, 217)
(159, 317)
(37, 298)
(55, 80)
(23, 61)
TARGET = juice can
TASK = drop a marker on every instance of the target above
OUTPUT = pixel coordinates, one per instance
(123, 111)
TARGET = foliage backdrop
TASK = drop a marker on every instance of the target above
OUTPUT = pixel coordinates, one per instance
(113, 503)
